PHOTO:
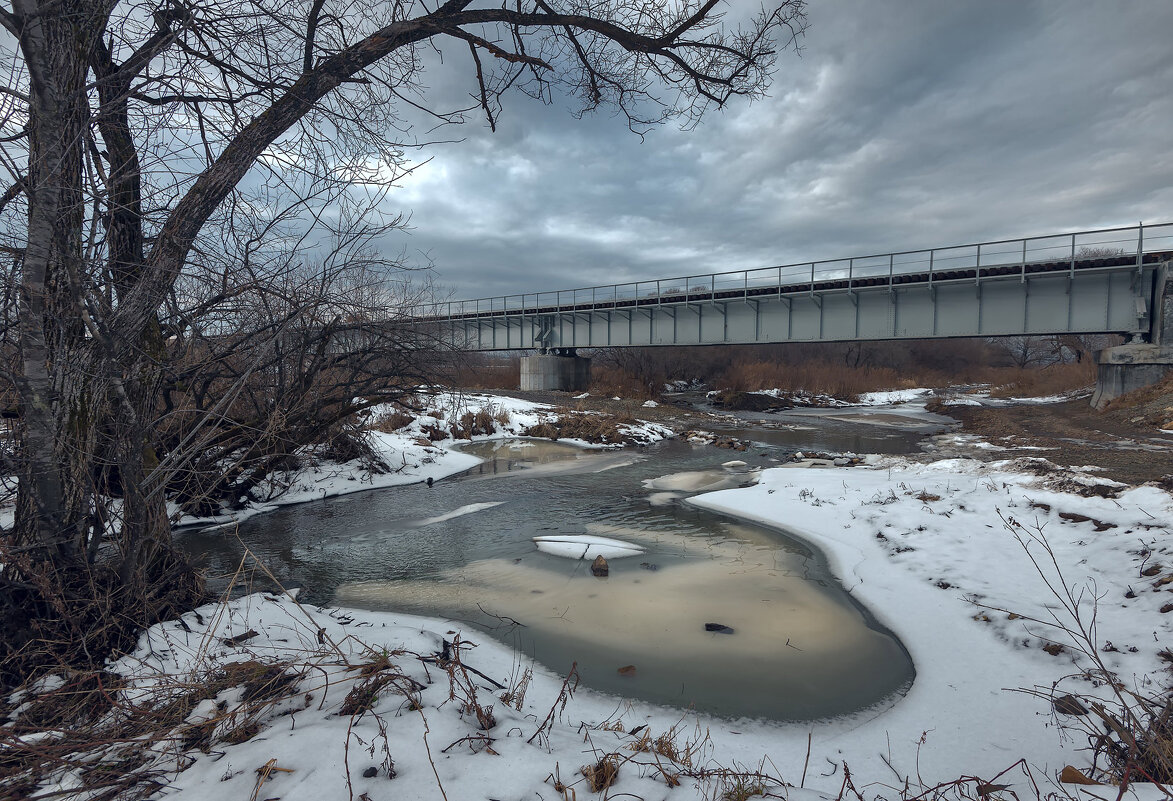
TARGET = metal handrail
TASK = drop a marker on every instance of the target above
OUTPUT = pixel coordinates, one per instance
(933, 261)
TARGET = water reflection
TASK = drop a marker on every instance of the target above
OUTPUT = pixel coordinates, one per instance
(801, 649)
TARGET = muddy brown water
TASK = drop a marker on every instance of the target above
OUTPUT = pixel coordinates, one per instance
(801, 648)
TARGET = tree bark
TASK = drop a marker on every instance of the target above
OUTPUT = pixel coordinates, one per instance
(52, 513)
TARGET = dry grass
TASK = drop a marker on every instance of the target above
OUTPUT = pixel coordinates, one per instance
(1151, 405)
(1130, 731)
(569, 424)
(602, 774)
(836, 380)
(1036, 382)
(505, 375)
(614, 382)
(392, 421)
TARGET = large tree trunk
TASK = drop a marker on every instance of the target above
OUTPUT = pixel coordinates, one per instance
(53, 508)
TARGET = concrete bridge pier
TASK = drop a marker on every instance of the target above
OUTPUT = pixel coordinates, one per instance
(556, 368)
(1134, 365)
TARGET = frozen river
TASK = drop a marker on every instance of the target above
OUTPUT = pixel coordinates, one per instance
(799, 648)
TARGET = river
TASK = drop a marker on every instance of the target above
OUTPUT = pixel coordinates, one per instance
(795, 645)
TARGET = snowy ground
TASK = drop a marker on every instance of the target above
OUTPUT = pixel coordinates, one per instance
(941, 553)
(924, 546)
(918, 544)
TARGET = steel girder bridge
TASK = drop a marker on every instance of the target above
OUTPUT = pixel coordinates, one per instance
(1107, 280)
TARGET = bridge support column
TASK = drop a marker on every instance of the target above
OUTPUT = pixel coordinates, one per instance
(562, 370)
(1125, 368)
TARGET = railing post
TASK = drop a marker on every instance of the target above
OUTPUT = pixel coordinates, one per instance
(850, 272)
(1071, 275)
(812, 278)
(1022, 266)
(891, 267)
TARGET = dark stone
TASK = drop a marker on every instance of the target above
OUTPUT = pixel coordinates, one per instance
(649, 566)
(599, 567)
(1069, 705)
(719, 628)
(370, 773)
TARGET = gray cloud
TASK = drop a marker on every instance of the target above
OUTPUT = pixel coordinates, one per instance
(900, 126)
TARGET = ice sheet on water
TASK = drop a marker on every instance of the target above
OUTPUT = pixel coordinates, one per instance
(459, 512)
(694, 481)
(586, 546)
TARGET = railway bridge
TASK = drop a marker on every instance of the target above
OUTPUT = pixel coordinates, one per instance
(1109, 280)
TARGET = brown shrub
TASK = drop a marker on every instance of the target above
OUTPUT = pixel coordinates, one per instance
(495, 375)
(598, 428)
(613, 381)
(393, 421)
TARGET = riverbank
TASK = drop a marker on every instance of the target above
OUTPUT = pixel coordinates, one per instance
(414, 448)
(1127, 442)
(262, 698)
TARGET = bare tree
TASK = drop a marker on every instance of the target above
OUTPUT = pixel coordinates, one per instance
(1024, 351)
(165, 155)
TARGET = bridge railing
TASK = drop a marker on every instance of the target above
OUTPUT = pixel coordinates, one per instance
(1071, 247)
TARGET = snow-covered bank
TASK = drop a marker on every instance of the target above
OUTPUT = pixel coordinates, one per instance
(918, 544)
(426, 447)
(348, 693)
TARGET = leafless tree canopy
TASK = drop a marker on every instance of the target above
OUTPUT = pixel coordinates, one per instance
(190, 223)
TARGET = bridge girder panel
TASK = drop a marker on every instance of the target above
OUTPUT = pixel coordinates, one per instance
(1087, 301)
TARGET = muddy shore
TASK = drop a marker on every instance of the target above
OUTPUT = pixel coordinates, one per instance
(1124, 442)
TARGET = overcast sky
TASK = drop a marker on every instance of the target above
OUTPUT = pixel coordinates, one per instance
(901, 125)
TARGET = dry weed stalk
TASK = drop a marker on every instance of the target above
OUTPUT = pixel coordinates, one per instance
(462, 688)
(518, 686)
(964, 788)
(1130, 733)
(565, 693)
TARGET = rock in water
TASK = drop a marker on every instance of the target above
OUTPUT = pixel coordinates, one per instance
(626, 670)
(720, 628)
(599, 567)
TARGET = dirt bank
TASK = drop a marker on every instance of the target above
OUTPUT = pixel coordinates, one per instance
(1124, 440)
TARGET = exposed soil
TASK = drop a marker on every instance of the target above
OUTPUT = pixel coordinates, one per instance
(1123, 440)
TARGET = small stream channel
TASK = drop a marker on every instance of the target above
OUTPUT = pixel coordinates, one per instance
(801, 647)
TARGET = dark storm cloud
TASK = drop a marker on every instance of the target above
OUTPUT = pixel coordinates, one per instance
(902, 125)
